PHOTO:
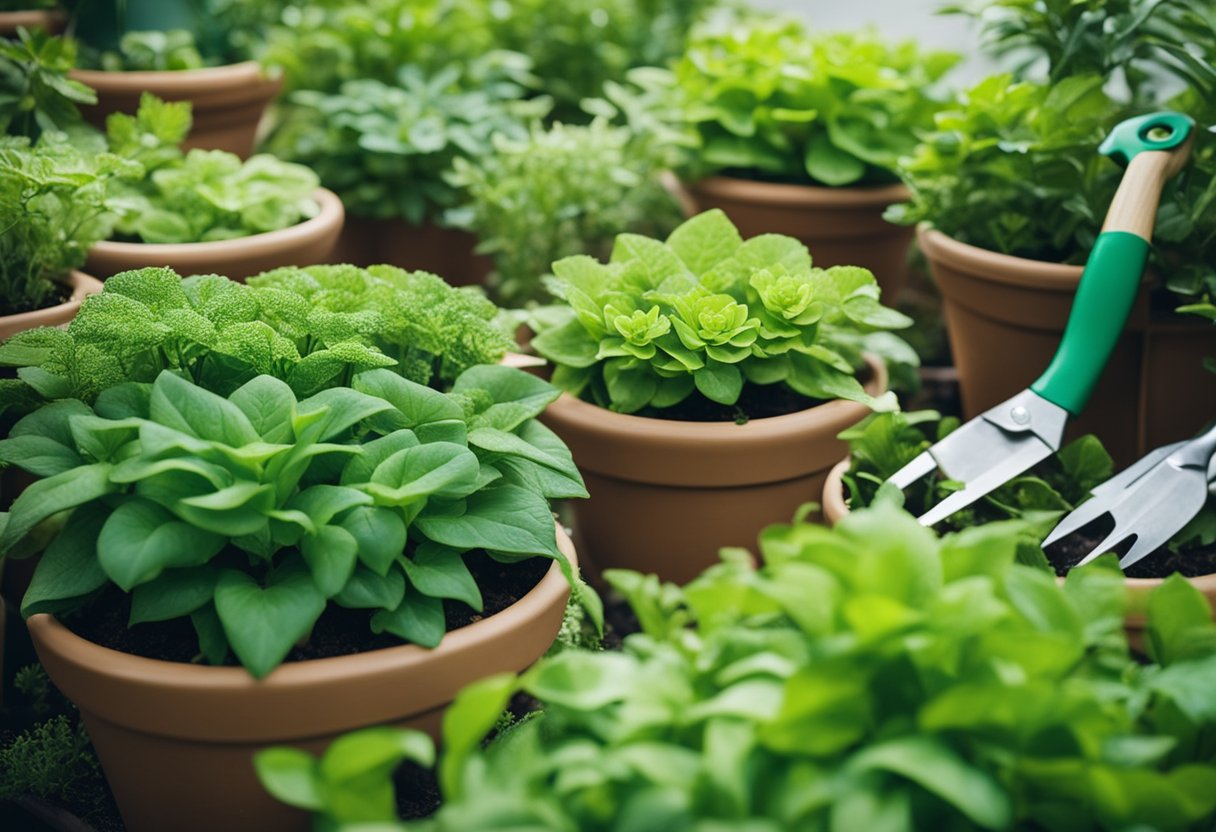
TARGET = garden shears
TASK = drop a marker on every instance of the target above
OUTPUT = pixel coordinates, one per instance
(1150, 501)
(1017, 434)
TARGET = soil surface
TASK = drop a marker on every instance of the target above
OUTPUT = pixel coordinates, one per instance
(1070, 551)
(338, 632)
(755, 402)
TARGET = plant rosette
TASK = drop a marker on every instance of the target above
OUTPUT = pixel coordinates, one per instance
(1039, 498)
(251, 517)
(228, 101)
(669, 344)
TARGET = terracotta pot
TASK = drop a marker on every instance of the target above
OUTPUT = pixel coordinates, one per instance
(304, 244)
(228, 100)
(1006, 316)
(835, 507)
(176, 740)
(50, 19)
(667, 495)
(447, 252)
(841, 226)
(58, 315)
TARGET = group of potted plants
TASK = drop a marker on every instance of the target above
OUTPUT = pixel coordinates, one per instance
(304, 545)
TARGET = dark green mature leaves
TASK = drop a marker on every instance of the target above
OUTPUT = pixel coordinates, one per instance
(866, 677)
(706, 310)
(36, 94)
(251, 512)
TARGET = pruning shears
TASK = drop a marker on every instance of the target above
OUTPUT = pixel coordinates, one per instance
(1150, 501)
(1017, 434)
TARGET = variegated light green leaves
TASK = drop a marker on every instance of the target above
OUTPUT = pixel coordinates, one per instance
(709, 312)
(252, 513)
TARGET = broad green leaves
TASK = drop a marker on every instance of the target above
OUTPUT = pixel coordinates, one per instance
(251, 513)
(707, 312)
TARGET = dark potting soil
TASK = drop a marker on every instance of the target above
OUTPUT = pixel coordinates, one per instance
(338, 632)
(755, 402)
(1070, 551)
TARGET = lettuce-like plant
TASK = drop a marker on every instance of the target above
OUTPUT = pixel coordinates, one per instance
(707, 312)
(770, 100)
(252, 513)
(868, 676)
(313, 328)
(561, 191)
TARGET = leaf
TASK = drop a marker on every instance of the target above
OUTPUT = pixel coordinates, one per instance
(343, 408)
(180, 405)
(68, 571)
(176, 593)
(262, 624)
(41, 456)
(829, 164)
(270, 406)
(52, 495)
(140, 540)
(441, 469)
(330, 555)
(705, 240)
(380, 534)
(417, 619)
(357, 769)
(290, 775)
(440, 572)
(1180, 622)
(719, 382)
(369, 590)
(417, 404)
(517, 395)
(472, 714)
(503, 518)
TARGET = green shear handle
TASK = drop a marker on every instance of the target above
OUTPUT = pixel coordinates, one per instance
(1154, 148)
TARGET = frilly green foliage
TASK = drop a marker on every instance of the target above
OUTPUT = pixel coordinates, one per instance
(559, 192)
(870, 676)
(53, 760)
(311, 327)
(709, 312)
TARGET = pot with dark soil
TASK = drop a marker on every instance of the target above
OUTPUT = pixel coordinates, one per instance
(706, 379)
(326, 544)
(882, 445)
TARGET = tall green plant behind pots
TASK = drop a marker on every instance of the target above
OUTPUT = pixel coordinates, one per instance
(870, 676)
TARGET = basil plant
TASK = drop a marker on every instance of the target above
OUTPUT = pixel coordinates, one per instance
(705, 313)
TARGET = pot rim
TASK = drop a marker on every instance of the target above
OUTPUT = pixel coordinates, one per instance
(83, 285)
(833, 493)
(182, 81)
(994, 267)
(140, 671)
(805, 196)
(331, 216)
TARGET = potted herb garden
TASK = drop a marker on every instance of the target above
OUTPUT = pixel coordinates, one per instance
(800, 134)
(206, 211)
(870, 676)
(1011, 190)
(179, 50)
(706, 379)
(883, 444)
(273, 477)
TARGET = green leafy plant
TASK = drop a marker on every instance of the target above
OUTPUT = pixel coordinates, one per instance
(868, 676)
(151, 51)
(313, 328)
(251, 513)
(36, 94)
(558, 192)
(1014, 167)
(53, 759)
(386, 149)
(53, 199)
(770, 100)
(202, 195)
(707, 312)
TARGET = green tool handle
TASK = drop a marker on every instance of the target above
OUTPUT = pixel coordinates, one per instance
(1111, 279)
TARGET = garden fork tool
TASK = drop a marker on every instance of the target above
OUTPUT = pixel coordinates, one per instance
(1014, 436)
(1150, 501)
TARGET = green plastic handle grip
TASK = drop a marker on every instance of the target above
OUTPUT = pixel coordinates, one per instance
(1104, 299)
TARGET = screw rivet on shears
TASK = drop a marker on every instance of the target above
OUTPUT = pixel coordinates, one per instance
(1020, 415)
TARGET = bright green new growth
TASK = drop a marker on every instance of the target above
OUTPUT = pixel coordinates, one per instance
(252, 513)
(709, 312)
(771, 100)
(312, 327)
(53, 199)
(869, 676)
(558, 192)
(202, 195)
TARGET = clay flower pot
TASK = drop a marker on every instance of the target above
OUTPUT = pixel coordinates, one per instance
(835, 507)
(228, 100)
(58, 315)
(1006, 316)
(667, 495)
(447, 252)
(308, 242)
(49, 19)
(176, 740)
(841, 226)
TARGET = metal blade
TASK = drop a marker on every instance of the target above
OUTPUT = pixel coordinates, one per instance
(1016, 454)
(1107, 494)
(914, 470)
(1152, 510)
